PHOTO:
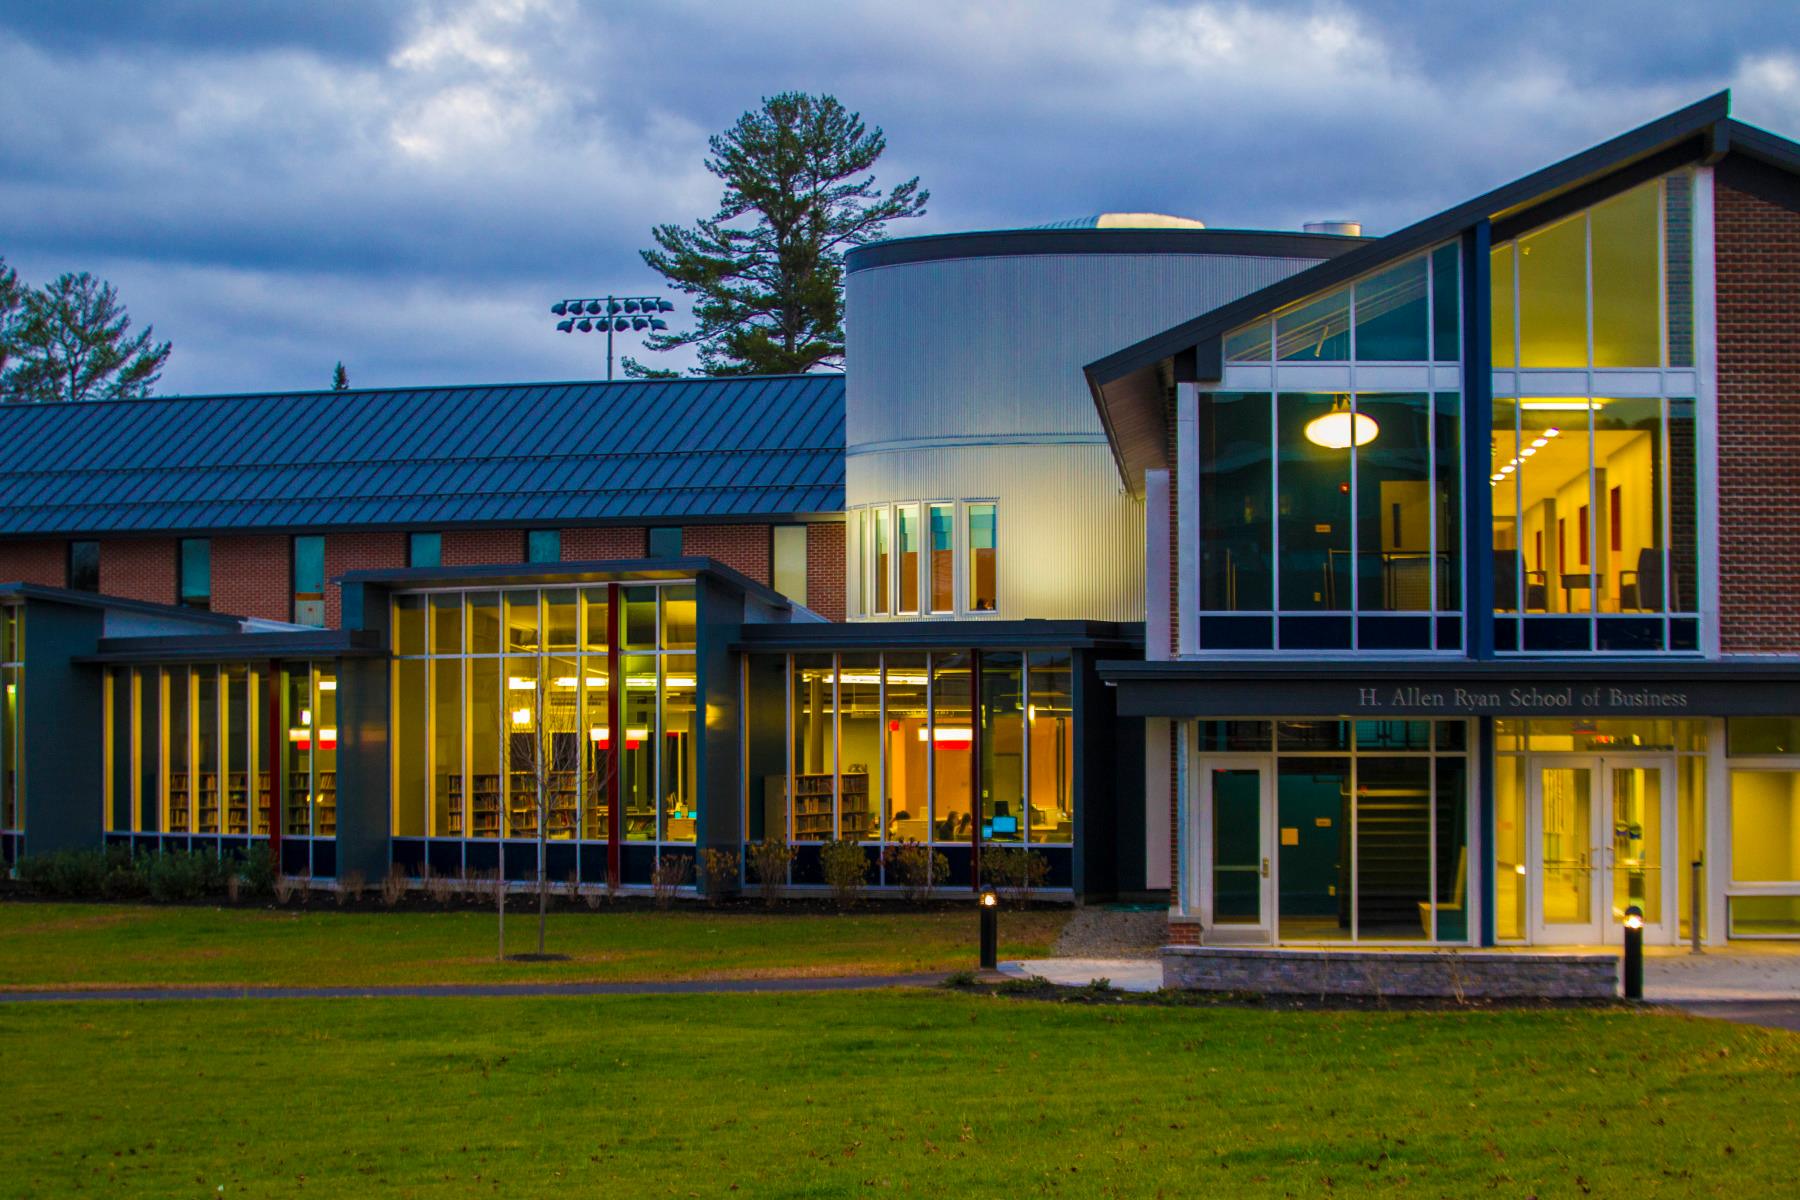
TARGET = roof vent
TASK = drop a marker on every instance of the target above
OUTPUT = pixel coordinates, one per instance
(1340, 228)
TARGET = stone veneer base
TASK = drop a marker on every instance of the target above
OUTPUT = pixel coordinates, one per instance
(1463, 974)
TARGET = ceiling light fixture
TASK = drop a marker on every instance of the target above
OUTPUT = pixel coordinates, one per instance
(1337, 429)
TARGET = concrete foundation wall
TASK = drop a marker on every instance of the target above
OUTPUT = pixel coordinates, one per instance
(1464, 974)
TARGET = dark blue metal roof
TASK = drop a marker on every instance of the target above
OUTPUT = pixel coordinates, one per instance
(757, 446)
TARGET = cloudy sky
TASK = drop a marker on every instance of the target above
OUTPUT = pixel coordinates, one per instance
(406, 186)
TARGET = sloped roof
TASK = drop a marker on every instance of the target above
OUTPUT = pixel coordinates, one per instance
(1128, 384)
(757, 446)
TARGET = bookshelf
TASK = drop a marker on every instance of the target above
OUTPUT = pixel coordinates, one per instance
(483, 807)
(812, 807)
(208, 801)
(181, 811)
(237, 803)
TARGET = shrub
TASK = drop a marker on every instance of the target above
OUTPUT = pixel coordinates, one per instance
(124, 875)
(66, 873)
(1014, 871)
(671, 873)
(720, 871)
(441, 888)
(179, 875)
(351, 885)
(915, 867)
(846, 869)
(393, 886)
(770, 859)
(256, 867)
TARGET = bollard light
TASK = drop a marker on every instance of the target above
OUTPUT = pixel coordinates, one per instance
(990, 928)
(1634, 953)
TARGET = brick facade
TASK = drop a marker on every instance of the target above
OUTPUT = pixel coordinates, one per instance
(139, 569)
(746, 549)
(482, 547)
(42, 563)
(825, 569)
(357, 552)
(252, 577)
(603, 543)
(1757, 230)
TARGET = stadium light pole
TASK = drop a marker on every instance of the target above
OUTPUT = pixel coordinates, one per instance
(610, 314)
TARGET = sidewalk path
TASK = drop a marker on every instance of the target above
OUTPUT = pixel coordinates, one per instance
(673, 987)
(1125, 974)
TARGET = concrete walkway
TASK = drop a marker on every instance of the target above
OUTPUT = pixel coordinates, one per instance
(676, 987)
(1125, 974)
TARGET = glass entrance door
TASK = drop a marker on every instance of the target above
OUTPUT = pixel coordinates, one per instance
(1598, 846)
(1235, 884)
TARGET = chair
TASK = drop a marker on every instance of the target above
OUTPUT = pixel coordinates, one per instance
(1507, 566)
(1459, 895)
(1641, 590)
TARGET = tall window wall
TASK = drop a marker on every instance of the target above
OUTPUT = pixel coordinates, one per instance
(1763, 888)
(12, 700)
(927, 558)
(1595, 506)
(1329, 498)
(881, 748)
(508, 709)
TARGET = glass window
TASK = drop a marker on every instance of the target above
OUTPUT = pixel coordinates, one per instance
(638, 763)
(1504, 305)
(596, 619)
(1313, 812)
(906, 791)
(1315, 331)
(984, 549)
(943, 558)
(325, 754)
(788, 551)
(521, 620)
(765, 747)
(12, 807)
(195, 569)
(297, 775)
(1678, 267)
(1446, 415)
(521, 747)
(178, 782)
(1234, 735)
(1450, 809)
(488, 717)
(859, 735)
(448, 818)
(543, 546)
(1314, 504)
(411, 743)
(424, 549)
(1399, 561)
(1003, 816)
(243, 738)
(597, 769)
(906, 528)
(84, 567)
(1510, 870)
(1553, 319)
(1236, 521)
(952, 743)
(665, 541)
(409, 625)
(1765, 826)
(309, 580)
(1393, 847)
(640, 617)
(561, 617)
(1446, 303)
(1627, 331)
(484, 623)
(680, 688)
(559, 746)
(1050, 748)
(680, 623)
(205, 684)
(815, 748)
(880, 581)
(1763, 735)
(446, 623)
(1392, 314)
(1250, 344)
(1764, 916)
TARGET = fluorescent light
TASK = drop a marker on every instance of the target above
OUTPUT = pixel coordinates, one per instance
(1540, 443)
(328, 685)
(1563, 404)
(515, 683)
(521, 716)
(1528, 451)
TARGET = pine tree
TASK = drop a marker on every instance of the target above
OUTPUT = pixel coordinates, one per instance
(72, 341)
(340, 378)
(12, 301)
(768, 268)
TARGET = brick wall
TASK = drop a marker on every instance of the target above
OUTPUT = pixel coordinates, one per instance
(600, 544)
(44, 563)
(480, 547)
(1757, 230)
(358, 552)
(139, 569)
(746, 549)
(252, 577)
(825, 568)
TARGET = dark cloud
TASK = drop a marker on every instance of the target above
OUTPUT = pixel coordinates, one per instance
(407, 186)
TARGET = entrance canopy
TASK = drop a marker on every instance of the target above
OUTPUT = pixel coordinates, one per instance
(1453, 688)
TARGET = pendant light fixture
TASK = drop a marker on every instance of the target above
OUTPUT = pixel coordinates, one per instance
(1338, 428)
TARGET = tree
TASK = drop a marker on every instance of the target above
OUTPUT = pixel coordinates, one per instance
(72, 341)
(768, 268)
(545, 749)
(340, 378)
(12, 300)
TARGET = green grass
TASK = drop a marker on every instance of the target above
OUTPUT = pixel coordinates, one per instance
(906, 1092)
(115, 945)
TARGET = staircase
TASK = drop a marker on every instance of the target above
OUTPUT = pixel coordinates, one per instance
(1393, 837)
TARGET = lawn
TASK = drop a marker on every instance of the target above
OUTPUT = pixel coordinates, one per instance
(103, 945)
(912, 1092)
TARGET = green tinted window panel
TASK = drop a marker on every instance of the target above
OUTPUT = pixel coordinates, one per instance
(1316, 331)
(1392, 314)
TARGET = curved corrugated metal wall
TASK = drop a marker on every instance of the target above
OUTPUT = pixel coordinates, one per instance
(965, 382)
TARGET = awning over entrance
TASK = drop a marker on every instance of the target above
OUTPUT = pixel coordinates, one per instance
(1456, 688)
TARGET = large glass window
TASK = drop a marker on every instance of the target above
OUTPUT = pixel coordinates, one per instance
(907, 762)
(859, 736)
(12, 687)
(907, 533)
(1407, 312)
(1050, 747)
(84, 566)
(952, 738)
(880, 585)
(1236, 514)
(942, 593)
(1003, 816)
(309, 580)
(815, 747)
(984, 548)
(1765, 826)
(194, 572)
